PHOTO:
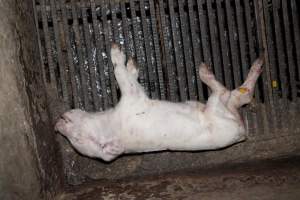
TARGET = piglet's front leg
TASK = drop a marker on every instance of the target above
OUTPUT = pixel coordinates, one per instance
(126, 75)
(111, 150)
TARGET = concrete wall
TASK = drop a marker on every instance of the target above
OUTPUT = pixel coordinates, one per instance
(19, 175)
(29, 159)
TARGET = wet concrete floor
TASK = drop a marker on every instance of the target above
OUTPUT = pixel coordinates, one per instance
(263, 180)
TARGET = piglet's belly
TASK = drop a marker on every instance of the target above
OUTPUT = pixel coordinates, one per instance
(156, 130)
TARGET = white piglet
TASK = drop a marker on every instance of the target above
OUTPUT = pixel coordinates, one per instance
(139, 124)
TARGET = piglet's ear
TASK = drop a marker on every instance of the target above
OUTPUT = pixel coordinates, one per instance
(111, 150)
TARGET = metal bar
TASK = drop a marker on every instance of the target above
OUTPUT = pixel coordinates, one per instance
(249, 34)
(53, 80)
(137, 43)
(271, 53)
(41, 69)
(295, 21)
(186, 45)
(249, 29)
(48, 8)
(241, 37)
(233, 44)
(170, 69)
(107, 48)
(112, 5)
(92, 69)
(62, 67)
(151, 69)
(281, 66)
(100, 61)
(196, 51)
(291, 64)
(250, 40)
(157, 50)
(212, 24)
(84, 88)
(242, 47)
(70, 57)
(125, 29)
(265, 41)
(288, 44)
(267, 90)
(223, 34)
(270, 119)
(257, 116)
(178, 60)
(280, 54)
(204, 33)
(113, 8)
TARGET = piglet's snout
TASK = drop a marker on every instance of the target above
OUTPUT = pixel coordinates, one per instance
(59, 125)
(62, 121)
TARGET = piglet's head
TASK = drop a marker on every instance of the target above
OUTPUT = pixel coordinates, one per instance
(80, 128)
(74, 125)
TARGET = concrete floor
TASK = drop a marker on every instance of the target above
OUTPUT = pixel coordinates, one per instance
(262, 180)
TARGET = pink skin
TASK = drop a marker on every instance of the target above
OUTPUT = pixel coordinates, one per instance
(235, 99)
(139, 124)
(78, 126)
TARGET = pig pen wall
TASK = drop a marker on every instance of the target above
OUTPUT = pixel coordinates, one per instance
(30, 166)
(169, 39)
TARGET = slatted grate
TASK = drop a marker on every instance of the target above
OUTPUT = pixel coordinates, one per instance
(77, 37)
(169, 39)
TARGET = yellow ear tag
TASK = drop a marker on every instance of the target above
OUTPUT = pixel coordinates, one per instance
(243, 90)
(274, 84)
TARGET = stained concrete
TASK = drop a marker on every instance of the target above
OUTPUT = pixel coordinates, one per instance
(28, 165)
(19, 175)
(272, 179)
(46, 146)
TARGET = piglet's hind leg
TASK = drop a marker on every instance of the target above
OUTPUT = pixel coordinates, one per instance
(244, 94)
(207, 76)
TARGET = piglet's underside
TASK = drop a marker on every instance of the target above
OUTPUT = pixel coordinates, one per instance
(140, 124)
